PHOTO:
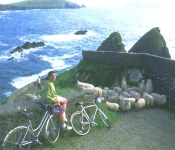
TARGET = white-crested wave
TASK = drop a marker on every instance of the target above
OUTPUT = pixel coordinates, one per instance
(2, 44)
(4, 57)
(65, 37)
(5, 12)
(15, 56)
(19, 55)
(57, 63)
(23, 81)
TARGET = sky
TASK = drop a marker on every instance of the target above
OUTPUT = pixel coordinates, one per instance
(110, 3)
(120, 3)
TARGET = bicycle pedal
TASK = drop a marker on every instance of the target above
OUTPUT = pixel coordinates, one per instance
(94, 123)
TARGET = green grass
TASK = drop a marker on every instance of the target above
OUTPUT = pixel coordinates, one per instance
(96, 73)
(66, 136)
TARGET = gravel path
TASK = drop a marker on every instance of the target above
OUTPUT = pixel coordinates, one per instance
(146, 129)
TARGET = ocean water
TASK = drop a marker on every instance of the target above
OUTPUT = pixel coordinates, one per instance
(63, 49)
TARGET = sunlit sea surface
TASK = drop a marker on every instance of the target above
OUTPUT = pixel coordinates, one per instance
(63, 48)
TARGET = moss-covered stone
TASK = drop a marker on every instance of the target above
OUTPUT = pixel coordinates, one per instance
(153, 43)
(100, 74)
(112, 43)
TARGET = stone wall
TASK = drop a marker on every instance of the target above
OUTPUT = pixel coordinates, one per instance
(160, 70)
(19, 92)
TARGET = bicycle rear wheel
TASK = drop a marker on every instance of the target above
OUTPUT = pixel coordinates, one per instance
(18, 138)
(52, 130)
(104, 118)
(80, 123)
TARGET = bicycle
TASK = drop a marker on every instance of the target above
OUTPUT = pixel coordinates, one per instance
(80, 120)
(22, 137)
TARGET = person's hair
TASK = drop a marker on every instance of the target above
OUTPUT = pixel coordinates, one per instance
(49, 74)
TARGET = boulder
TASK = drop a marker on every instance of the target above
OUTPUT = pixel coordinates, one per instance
(17, 49)
(29, 45)
(152, 43)
(81, 32)
(11, 58)
(112, 43)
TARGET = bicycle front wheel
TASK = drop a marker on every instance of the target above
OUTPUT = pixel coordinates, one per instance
(18, 138)
(80, 123)
(52, 129)
(104, 118)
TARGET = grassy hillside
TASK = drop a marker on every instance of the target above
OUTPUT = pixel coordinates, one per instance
(40, 3)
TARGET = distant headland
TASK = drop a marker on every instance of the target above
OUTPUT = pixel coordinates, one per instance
(40, 4)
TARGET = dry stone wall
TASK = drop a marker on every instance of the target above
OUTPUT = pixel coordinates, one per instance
(160, 70)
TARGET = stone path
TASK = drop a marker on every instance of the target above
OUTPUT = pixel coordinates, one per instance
(146, 129)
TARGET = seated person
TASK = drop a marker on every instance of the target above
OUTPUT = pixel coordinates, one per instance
(49, 95)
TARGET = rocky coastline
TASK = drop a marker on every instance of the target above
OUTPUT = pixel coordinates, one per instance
(114, 44)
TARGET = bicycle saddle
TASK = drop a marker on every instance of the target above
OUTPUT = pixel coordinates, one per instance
(78, 103)
(27, 114)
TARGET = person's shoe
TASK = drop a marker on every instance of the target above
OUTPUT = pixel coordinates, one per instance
(67, 127)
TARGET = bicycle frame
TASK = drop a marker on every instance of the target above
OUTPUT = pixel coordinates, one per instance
(85, 113)
(30, 129)
(40, 126)
(25, 135)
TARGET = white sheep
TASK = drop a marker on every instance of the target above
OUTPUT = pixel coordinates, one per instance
(112, 106)
(148, 86)
(134, 88)
(134, 94)
(111, 92)
(117, 89)
(124, 84)
(98, 91)
(106, 88)
(141, 87)
(149, 99)
(125, 105)
(139, 103)
(159, 99)
(114, 98)
(104, 92)
(102, 99)
(125, 94)
(82, 85)
(131, 100)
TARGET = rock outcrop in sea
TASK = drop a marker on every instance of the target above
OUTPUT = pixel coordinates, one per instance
(81, 32)
(152, 43)
(28, 45)
(112, 43)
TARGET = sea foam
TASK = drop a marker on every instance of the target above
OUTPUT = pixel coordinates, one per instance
(65, 37)
(57, 64)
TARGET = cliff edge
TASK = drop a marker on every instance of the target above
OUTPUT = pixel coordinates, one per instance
(153, 43)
